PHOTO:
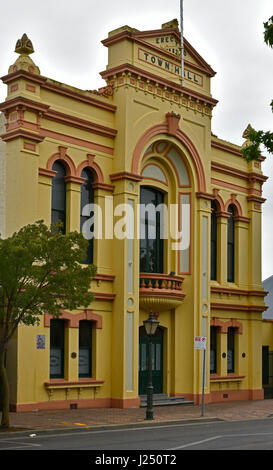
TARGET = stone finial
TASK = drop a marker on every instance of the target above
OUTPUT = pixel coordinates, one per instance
(246, 131)
(24, 45)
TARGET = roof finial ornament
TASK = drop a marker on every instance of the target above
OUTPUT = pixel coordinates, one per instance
(246, 131)
(24, 48)
(24, 45)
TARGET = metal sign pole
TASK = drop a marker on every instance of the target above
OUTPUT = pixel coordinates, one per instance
(203, 382)
(182, 42)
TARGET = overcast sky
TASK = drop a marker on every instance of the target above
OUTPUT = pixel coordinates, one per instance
(66, 36)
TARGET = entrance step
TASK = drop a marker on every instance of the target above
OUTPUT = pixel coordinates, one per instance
(163, 399)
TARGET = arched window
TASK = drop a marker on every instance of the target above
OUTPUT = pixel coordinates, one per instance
(58, 201)
(87, 197)
(213, 242)
(230, 247)
(151, 230)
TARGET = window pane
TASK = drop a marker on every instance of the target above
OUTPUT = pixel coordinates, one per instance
(213, 242)
(58, 201)
(230, 355)
(213, 350)
(151, 224)
(85, 349)
(56, 349)
(230, 248)
(87, 197)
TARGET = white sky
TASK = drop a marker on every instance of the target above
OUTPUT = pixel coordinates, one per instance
(228, 34)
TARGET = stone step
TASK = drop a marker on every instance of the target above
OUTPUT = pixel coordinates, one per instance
(164, 400)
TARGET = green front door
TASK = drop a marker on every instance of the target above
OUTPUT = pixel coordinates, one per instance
(157, 361)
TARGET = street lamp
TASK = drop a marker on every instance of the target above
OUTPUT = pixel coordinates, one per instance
(150, 326)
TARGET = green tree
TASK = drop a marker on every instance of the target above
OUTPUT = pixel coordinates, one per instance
(257, 138)
(40, 272)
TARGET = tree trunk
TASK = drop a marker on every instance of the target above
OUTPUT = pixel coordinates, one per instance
(4, 392)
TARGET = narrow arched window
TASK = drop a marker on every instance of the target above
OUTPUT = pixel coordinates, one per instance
(87, 198)
(151, 230)
(213, 242)
(231, 246)
(58, 201)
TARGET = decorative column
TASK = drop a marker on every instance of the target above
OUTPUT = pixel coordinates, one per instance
(125, 324)
(202, 282)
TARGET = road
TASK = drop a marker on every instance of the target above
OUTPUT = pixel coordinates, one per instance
(217, 435)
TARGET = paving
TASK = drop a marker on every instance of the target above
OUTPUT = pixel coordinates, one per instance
(100, 417)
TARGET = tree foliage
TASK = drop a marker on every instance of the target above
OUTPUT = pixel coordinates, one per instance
(257, 138)
(40, 272)
(268, 32)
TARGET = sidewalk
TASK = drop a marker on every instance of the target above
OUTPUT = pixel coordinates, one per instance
(91, 418)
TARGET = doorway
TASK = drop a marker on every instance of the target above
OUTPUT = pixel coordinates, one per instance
(157, 361)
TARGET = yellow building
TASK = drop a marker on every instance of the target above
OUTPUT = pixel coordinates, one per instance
(140, 139)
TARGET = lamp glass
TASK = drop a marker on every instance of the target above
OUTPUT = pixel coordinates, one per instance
(151, 325)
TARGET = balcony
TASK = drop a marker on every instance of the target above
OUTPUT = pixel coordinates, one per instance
(160, 292)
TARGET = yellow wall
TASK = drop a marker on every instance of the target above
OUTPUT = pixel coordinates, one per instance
(81, 126)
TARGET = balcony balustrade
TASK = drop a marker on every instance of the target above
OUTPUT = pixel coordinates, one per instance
(160, 291)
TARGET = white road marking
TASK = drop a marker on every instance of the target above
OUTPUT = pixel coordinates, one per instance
(195, 443)
(21, 445)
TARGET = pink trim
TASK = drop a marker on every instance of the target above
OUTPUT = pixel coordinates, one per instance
(74, 319)
(227, 324)
(173, 122)
(219, 201)
(14, 87)
(182, 137)
(155, 179)
(233, 202)
(68, 162)
(180, 227)
(176, 172)
(29, 146)
(45, 172)
(89, 163)
(30, 88)
(62, 382)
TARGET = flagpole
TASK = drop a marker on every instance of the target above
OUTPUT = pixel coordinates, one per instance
(182, 42)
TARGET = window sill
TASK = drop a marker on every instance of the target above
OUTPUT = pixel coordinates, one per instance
(81, 383)
(226, 378)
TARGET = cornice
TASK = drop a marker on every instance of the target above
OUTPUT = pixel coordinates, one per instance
(22, 102)
(210, 197)
(165, 83)
(253, 198)
(238, 307)
(226, 148)
(61, 90)
(22, 133)
(57, 88)
(79, 123)
(230, 291)
(124, 175)
(19, 74)
(228, 170)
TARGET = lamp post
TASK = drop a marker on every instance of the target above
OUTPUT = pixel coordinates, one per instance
(150, 327)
